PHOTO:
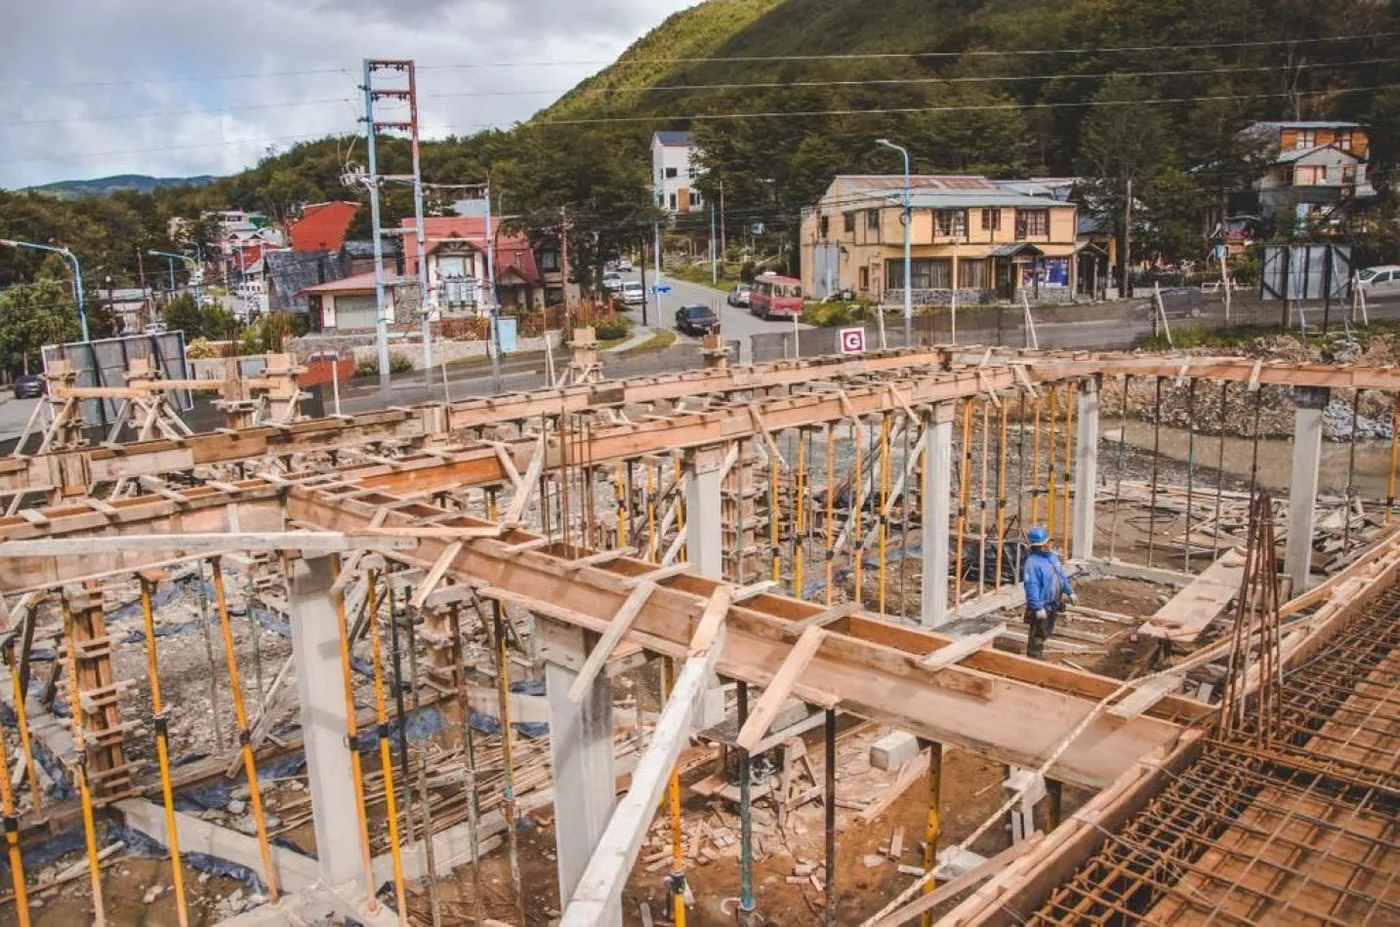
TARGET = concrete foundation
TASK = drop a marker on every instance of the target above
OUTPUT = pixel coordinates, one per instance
(581, 756)
(704, 536)
(938, 509)
(1302, 496)
(321, 700)
(1086, 472)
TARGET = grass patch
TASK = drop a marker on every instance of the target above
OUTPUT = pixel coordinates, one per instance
(701, 275)
(663, 338)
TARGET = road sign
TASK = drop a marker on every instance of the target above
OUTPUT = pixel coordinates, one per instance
(851, 340)
(658, 290)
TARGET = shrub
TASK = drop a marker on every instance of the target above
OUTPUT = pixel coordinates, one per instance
(399, 364)
(367, 367)
(613, 327)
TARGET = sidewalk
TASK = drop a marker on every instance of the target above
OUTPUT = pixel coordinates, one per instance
(640, 336)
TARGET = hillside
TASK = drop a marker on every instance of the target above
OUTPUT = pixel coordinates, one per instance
(106, 186)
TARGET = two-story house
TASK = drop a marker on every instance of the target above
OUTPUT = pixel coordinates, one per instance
(1318, 169)
(455, 251)
(979, 238)
(674, 169)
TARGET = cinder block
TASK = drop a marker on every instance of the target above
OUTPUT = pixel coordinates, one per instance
(893, 750)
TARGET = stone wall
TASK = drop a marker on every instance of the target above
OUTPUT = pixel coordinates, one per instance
(364, 348)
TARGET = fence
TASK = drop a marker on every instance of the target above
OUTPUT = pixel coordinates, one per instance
(1115, 327)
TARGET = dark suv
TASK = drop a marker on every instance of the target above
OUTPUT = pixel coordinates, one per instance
(29, 386)
(696, 320)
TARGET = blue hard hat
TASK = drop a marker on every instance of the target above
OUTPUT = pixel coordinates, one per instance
(1038, 535)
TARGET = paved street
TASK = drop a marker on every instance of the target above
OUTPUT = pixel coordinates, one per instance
(736, 324)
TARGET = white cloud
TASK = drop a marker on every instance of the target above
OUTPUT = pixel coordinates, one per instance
(71, 65)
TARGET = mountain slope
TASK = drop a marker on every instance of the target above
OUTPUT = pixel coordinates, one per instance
(105, 186)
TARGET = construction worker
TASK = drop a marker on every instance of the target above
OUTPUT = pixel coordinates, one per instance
(1047, 589)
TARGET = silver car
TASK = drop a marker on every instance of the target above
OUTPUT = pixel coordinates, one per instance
(1380, 281)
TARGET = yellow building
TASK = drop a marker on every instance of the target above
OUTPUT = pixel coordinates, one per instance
(992, 237)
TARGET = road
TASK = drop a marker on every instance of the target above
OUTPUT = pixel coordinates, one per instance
(736, 324)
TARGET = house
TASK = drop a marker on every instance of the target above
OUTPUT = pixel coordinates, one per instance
(131, 307)
(984, 239)
(321, 226)
(288, 274)
(350, 304)
(1318, 171)
(674, 169)
(455, 250)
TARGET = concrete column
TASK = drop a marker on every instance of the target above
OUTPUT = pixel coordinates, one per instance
(1302, 487)
(704, 537)
(938, 509)
(580, 754)
(1086, 472)
(321, 701)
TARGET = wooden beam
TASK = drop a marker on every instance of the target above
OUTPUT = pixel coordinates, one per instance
(1145, 696)
(768, 706)
(821, 619)
(617, 628)
(961, 648)
(528, 483)
(435, 573)
(317, 541)
(956, 886)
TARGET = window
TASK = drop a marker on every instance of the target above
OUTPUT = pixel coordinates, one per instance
(850, 221)
(670, 173)
(691, 171)
(549, 260)
(974, 274)
(695, 197)
(1343, 139)
(924, 273)
(872, 218)
(660, 200)
(952, 223)
(826, 226)
(1308, 175)
(451, 266)
(673, 201)
(1306, 138)
(991, 220)
(864, 279)
(1032, 223)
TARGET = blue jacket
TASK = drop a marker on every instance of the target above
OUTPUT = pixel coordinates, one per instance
(1045, 580)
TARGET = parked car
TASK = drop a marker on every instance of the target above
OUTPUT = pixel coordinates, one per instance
(696, 320)
(624, 265)
(633, 294)
(775, 297)
(29, 386)
(739, 296)
(612, 281)
(1380, 280)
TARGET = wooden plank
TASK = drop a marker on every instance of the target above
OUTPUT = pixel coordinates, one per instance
(621, 624)
(435, 574)
(961, 648)
(91, 545)
(753, 590)
(821, 619)
(778, 690)
(911, 772)
(711, 621)
(1187, 615)
(529, 482)
(1145, 696)
(954, 887)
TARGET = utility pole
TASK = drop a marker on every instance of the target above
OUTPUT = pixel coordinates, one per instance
(381, 315)
(723, 241)
(907, 217)
(643, 266)
(714, 265)
(564, 261)
(425, 299)
(77, 275)
(494, 305)
(1127, 292)
(656, 244)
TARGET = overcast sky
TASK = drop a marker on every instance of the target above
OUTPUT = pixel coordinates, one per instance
(73, 71)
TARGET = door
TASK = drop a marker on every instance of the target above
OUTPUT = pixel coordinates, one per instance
(1006, 280)
(826, 267)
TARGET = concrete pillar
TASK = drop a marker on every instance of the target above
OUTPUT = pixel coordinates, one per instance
(704, 536)
(1086, 472)
(938, 509)
(580, 754)
(1302, 486)
(321, 701)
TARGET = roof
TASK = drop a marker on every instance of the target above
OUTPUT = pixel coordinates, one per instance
(1297, 154)
(291, 272)
(359, 283)
(1314, 124)
(958, 200)
(1012, 249)
(675, 139)
(322, 226)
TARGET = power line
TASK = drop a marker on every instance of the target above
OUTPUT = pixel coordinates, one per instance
(870, 56)
(883, 81)
(113, 117)
(911, 110)
(174, 79)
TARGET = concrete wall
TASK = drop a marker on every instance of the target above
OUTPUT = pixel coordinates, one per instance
(363, 347)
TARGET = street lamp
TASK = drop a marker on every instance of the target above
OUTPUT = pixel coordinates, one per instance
(190, 263)
(77, 274)
(908, 221)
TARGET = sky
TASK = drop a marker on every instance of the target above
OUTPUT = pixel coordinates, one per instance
(91, 88)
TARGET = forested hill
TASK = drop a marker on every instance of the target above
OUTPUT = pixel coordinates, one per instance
(785, 93)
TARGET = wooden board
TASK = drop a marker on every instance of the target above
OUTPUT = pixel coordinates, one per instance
(1191, 610)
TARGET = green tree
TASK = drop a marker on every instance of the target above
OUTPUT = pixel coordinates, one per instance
(32, 316)
(212, 322)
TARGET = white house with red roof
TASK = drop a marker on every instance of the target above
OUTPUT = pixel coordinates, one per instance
(455, 250)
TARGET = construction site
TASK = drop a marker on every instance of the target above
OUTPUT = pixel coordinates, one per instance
(736, 644)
